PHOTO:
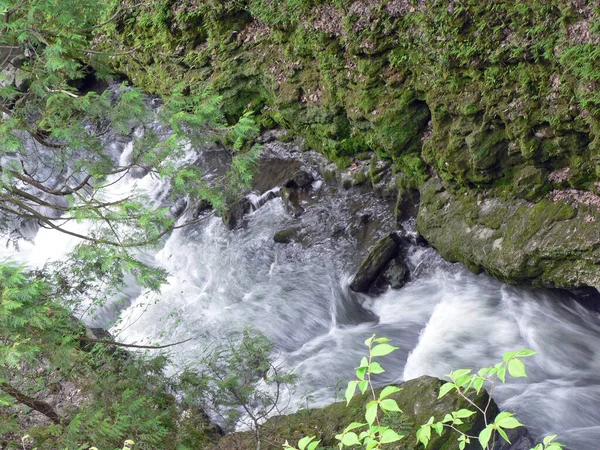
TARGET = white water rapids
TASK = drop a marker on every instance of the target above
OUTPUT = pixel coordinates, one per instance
(445, 318)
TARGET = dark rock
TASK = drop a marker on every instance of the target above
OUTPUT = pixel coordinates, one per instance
(382, 253)
(407, 204)
(201, 207)
(235, 213)
(291, 200)
(396, 273)
(139, 171)
(178, 207)
(301, 179)
(286, 236)
(274, 172)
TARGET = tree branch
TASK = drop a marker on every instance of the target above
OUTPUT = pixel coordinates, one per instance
(121, 344)
(33, 134)
(38, 405)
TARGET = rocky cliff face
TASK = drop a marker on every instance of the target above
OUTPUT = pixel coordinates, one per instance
(495, 101)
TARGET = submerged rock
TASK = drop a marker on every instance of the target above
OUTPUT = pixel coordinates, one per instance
(286, 236)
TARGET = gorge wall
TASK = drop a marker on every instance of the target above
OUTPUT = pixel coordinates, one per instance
(490, 109)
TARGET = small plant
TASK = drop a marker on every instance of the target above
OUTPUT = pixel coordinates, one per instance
(462, 381)
(241, 382)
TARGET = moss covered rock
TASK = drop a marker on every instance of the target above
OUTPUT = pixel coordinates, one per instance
(554, 242)
(418, 401)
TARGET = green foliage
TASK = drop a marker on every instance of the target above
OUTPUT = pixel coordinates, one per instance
(240, 373)
(42, 357)
(462, 382)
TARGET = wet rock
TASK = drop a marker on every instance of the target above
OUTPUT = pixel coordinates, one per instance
(178, 207)
(301, 179)
(266, 197)
(201, 207)
(396, 273)
(291, 200)
(274, 172)
(382, 253)
(287, 236)
(139, 171)
(235, 213)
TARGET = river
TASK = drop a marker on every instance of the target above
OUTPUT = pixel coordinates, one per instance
(445, 317)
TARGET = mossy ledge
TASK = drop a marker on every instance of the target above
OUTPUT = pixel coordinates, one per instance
(418, 400)
(499, 100)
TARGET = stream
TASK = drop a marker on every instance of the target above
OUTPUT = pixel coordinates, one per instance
(444, 318)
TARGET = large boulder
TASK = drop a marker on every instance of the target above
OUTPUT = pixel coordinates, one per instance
(550, 243)
(418, 401)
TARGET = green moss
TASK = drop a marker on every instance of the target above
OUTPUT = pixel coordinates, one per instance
(488, 96)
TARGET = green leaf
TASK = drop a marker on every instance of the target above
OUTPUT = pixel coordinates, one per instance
(382, 349)
(376, 368)
(364, 362)
(447, 387)
(350, 390)
(502, 374)
(478, 384)
(485, 435)
(508, 356)
(516, 368)
(371, 412)
(360, 372)
(354, 425)
(503, 434)
(390, 436)
(313, 445)
(463, 413)
(549, 439)
(369, 341)
(350, 439)
(424, 435)
(438, 427)
(525, 352)
(459, 373)
(507, 422)
(388, 390)
(363, 385)
(302, 443)
(389, 404)
(382, 340)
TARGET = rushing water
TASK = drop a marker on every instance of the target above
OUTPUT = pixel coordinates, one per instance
(445, 318)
